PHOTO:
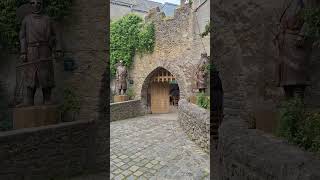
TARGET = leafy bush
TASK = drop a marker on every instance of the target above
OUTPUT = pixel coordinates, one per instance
(71, 102)
(203, 101)
(10, 25)
(312, 19)
(291, 114)
(128, 36)
(131, 94)
(299, 126)
(6, 124)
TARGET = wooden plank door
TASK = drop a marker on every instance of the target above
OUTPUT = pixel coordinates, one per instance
(159, 97)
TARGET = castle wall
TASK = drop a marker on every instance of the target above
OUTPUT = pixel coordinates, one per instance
(178, 48)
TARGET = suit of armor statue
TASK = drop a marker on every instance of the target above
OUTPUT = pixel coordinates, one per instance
(37, 31)
(201, 75)
(293, 51)
(121, 77)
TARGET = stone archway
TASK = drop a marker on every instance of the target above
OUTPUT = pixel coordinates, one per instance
(147, 84)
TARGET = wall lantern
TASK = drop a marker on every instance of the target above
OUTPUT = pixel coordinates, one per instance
(69, 64)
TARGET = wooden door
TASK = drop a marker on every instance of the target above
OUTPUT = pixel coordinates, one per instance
(159, 97)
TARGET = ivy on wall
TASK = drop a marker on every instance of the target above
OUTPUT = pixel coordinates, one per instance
(207, 29)
(128, 36)
(10, 25)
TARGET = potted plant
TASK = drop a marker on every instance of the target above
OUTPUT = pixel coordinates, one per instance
(70, 107)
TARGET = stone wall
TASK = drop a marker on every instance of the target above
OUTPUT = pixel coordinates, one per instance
(125, 110)
(251, 154)
(195, 121)
(178, 47)
(246, 59)
(45, 152)
(84, 38)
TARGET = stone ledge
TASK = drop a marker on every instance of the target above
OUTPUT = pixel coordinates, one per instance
(195, 121)
(126, 109)
(43, 128)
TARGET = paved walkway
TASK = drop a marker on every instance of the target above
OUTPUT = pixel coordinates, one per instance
(155, 147)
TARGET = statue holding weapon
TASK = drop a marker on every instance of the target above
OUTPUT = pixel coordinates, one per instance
(36, 71)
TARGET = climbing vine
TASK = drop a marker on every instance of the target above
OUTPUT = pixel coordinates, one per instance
(207, 29)
(130, 35)
(10, 25)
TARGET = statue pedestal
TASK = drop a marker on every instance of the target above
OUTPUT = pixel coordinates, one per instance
(35, 116)
(120, 98)
(193, 99)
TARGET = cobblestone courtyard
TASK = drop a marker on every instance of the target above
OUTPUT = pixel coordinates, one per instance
(155, 147)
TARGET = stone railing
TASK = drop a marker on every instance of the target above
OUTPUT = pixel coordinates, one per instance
(251, 154)
(125, 110)
(195, 121)
(45, 152)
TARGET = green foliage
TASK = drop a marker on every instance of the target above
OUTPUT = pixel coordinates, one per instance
(312, 20)
(131, 94)
(291, 114)
(10, 25)
(129, 35)
(207, 30)
(299, 126)
(203, 100)
(71, 102)
(190, 2)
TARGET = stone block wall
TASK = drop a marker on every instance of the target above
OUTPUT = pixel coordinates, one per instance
(251, 154)
(125, 110)
(45, 152)
(195, 121)
(178, 47)
(246, 59)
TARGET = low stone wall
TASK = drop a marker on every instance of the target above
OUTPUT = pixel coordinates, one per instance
(251, 154)
(45, 152)
(125, 110)
(195, 121)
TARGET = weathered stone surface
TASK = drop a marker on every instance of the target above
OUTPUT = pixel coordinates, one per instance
(155, 147)
(45, 152)
(125, 110)
(178, 47)
(195, 121)
(246, 59)
(35, 116)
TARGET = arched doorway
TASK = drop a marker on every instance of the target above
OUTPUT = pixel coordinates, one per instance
(163, 92)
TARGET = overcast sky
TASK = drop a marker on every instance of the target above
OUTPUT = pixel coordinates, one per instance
(170, 1)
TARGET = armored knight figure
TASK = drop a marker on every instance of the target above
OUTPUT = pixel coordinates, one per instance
(201, 74)
(36, 34)
(293, 50)
(121, 78)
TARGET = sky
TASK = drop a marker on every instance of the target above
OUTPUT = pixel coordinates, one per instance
(170, 1)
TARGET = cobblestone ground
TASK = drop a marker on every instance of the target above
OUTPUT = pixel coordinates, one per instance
(155, 147)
